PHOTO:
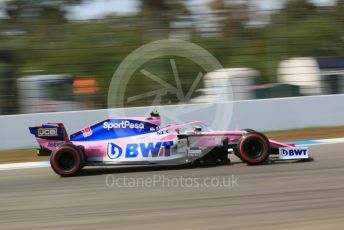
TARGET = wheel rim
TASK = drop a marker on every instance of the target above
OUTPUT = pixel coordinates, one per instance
(66, 160)
(254, 148)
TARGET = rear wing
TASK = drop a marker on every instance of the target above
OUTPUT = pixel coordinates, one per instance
(49, 136)
(50, 131)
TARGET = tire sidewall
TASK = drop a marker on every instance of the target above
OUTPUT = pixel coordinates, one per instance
(244, 155)
(76, 154)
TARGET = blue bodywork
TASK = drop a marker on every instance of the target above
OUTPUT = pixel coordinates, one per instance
(113, 129)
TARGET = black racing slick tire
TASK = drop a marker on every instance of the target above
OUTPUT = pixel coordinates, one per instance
(236, 150)
(67, 160)
(254, 148)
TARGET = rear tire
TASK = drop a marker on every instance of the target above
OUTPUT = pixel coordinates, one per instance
(254, 148)
(67, 160)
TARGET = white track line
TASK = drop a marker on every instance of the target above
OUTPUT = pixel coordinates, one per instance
(333, 140)
(25, 165)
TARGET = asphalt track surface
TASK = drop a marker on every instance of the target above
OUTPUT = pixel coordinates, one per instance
(277, 196)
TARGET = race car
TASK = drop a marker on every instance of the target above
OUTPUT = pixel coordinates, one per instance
(141, 141)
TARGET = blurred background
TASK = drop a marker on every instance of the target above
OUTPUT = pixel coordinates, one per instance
(60, 55)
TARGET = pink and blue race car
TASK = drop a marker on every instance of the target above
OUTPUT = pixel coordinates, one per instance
(141, 141)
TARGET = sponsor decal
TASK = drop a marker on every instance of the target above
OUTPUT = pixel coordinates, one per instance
(47, 132)
(114, 151)
(141, 150)
(87, 132)
(123, 125)
(143, 136)
(150, 149)
(194, 152)
(289, 153)
(162, 132)
(53, 144)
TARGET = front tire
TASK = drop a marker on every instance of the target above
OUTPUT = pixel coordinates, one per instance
(254, 148)
(67, 160)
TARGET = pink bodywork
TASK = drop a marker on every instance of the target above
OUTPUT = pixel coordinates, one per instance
(97, 150)
(209, 137)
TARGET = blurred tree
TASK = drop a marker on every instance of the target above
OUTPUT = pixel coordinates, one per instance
(40, 20)
(14, 8)
(8, 90)
(149, 6)
(299, 9)
(159, 14)
(172, 8)
(340, 11)
(232, 16)
(301, 28)
(52, 10)
(295, 10)
(96, 47)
